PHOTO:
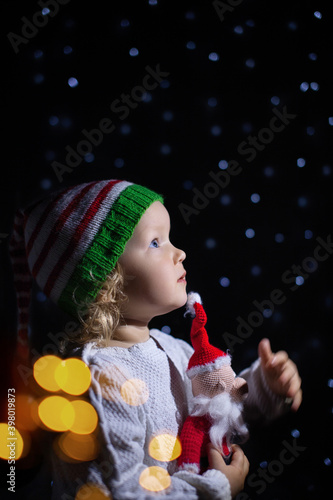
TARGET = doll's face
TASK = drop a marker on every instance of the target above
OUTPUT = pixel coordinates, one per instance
(154, 272)
(212, 383)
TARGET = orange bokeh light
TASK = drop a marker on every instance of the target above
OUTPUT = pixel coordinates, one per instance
(11, 442)
(91, 491)
(155, 479)
(73, 376)
(77, 447)
(85, 419)
(165, 447)
(134, 392)
(44, 372)
(57, 413)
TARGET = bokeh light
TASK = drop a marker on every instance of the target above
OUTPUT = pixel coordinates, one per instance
(155, 479)
(56, 413)
(73, 376)
(255, 198)
(134, 392)
(165, 447)
(191, 45)
(213, 56)
(86, 419)
(133, 52)
(224, 282)
(73, 82)
(72, 447)
(250, 233)
(11, 443)
(91, 491)
(44, 372)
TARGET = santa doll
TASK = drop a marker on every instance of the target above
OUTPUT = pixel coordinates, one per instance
(216, 409)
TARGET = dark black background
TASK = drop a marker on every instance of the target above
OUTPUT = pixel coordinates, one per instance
(278, 36)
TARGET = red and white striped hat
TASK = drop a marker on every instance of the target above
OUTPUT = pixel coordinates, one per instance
(206, 357)
(70, 241)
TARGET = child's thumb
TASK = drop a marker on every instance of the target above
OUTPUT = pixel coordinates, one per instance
(215, 458)
(265, 351)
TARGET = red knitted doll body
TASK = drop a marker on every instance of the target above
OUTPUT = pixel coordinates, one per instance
(216, 414)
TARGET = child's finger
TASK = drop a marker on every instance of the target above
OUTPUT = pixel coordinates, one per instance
(265, 351)
(277, 363)
(287, 373)
(297, 401)
(239, 459)
(237, 454)
(294, 385)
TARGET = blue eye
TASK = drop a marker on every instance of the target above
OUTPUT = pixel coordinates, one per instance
(154, 244)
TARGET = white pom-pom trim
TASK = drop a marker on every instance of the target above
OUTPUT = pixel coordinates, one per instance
(194, 468)
(192, 298)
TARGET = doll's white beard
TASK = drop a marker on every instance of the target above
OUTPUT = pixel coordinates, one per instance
(226, 417)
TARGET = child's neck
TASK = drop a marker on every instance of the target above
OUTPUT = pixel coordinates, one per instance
(130, 333)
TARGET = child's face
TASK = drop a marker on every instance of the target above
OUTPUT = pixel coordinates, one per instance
(154, 272)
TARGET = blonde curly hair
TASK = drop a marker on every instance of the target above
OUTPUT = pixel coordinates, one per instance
(100, 319)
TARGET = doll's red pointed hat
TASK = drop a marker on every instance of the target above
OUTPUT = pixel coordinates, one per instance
(206, 357)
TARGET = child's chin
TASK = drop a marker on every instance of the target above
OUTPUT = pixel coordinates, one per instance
(179, 303)
(184, 300)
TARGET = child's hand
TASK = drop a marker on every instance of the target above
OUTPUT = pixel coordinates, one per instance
(235, 472)
(280, 373)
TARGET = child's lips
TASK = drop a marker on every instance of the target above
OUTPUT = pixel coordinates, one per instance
(182, 279)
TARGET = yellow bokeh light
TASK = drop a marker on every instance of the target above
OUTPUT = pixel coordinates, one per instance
(86, 418)
(155, 479)
(11, 442)
(134, 392)
(73, 376)
(57, 413)
(78, 446)
(44, 372)
(165, 447)
(91, 491)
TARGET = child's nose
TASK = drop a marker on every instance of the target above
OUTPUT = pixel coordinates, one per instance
(180, 255)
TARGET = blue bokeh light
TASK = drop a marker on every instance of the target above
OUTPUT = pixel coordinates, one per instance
(133, 52)
(224, 282)
(73, 82)
(213, 56)
(250, 233)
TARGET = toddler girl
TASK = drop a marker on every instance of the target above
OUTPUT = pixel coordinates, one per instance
(101, 251)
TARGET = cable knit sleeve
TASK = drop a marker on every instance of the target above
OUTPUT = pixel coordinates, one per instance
(123, 434)
(261, 403)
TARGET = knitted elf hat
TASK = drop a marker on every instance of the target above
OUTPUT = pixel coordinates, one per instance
(70, 242)
(205, 357)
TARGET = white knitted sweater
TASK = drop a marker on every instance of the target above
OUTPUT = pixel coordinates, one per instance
(126, 429)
